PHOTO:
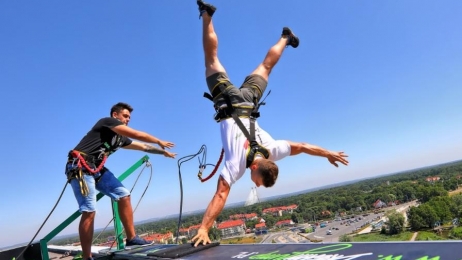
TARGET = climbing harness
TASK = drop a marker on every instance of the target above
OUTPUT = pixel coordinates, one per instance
(79, 165)
(81, 162)
(240, 111)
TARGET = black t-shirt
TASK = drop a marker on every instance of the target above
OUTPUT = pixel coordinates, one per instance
(101, 139)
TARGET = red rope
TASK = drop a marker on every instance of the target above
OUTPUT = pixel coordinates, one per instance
(216, 167)
(81, 162)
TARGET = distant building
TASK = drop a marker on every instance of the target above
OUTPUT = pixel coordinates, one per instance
(432, 179)
(260, 226)
(278, 211)
(160, 238)
(245, 217)
(260, 229)
(379, 204)
(190, 231)
(393, 203)
(232, 228)
(284, 223)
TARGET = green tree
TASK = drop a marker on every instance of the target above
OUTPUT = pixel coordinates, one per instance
(428, 215)
(395, 223)
(456, 233)
(415, 218)
(214, 234)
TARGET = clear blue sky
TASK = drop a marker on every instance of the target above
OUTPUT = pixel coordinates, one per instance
(379, 80)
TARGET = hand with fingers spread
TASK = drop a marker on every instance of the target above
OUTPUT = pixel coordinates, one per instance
(202, 236)
(334, 157)
(165, 144)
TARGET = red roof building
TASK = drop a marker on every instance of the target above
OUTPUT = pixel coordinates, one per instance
(190, 231)
(284, 223)
(379, 204)
(432, 179)
(159, 238)
(280, 210)
(232, 228)
(260, 226)
(244, 217)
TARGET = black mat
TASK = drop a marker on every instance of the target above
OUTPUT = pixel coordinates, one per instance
(181, 250)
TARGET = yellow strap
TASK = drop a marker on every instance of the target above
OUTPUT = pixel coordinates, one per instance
(83, 185)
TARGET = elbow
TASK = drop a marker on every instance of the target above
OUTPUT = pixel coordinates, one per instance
(222, 194)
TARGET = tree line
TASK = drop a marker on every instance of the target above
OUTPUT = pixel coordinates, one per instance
(349, 199)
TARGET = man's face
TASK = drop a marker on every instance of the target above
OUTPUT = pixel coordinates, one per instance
(123, 116)
(256, 177)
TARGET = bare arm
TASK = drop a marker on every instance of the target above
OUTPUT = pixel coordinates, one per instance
(216, 205)
(333, 157)
(149, 149)
(298, 148)
(212, 212)
(139, 135)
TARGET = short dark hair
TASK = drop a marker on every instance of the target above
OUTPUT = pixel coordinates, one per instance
(269, 172)
(120, 106)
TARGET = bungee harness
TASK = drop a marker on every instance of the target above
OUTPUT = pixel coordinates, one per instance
(77, 159)
(237, 111)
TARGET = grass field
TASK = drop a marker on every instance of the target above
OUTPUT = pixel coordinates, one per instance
(372, 237)
(242, 240)
(428, 235)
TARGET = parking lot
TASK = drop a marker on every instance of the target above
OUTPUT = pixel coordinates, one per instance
(333, 229)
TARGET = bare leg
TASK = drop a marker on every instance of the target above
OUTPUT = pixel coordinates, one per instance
(210, 44)
(126, 216)
(272, 57)
(86, 232)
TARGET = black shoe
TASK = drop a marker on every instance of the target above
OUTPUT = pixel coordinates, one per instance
(204, 7)
(137, 241)
(292, 39)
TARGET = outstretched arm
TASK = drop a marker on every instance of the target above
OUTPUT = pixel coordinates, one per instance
(149, 149)
(333, 157)
(139, 135)
(212, 212)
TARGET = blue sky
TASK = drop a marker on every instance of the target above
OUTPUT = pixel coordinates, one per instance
(379, 80)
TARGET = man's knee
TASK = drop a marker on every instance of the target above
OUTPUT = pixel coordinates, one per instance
(88, 214)
(213, 68)
(88, 217)
(124, 199)
(263, 71)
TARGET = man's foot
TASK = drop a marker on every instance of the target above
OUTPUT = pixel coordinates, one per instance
(292, 40)
(137, 241)
(204, 7)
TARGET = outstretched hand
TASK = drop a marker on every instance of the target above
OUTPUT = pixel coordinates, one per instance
(169, 154)
(335, 157)
(202, 236)
(166, 144)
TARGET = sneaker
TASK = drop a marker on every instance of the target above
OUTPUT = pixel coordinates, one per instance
(293, 40)
(204, 7)
(137, 241)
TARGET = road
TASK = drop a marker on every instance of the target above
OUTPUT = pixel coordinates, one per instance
(291, 234)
